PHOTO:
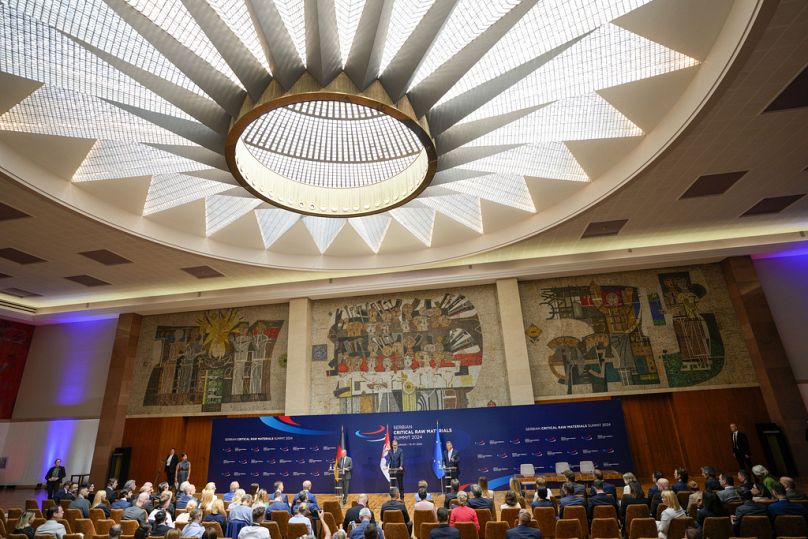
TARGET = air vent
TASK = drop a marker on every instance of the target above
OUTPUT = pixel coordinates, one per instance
(19, 257)
(713, 184)
(87, 280)
(108, 258)
(794, 96)
(202, 272)
(7, 213)
(772, 205)
(20, 293)
(10, 305)
(604, 228)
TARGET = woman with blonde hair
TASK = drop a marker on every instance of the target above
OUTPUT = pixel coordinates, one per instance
(183, 518)
(674, 510)
(24, 524)
(100, 502)
(217, 514)
(206, 501)
(628, 478)
(238, 497)
(261, 499)
(541, 483)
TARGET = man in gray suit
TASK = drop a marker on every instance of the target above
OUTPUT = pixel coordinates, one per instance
(344, 466)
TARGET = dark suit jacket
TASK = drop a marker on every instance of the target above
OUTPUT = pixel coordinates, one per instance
(655, 501)
(393, 505)
(56, 471)
(748, 508)
(171, 467)
(162, 529)
(447, 500)
(482, 503)
(601, 499)
(62, 495)
(454, 462)
(542, 503)
(568, 500)
(395, 459)
(740, 448)
(352, 515)
(679, 485)
(444, 531)
(627, 500)
(344, 468)
(523, 532)
(785, 507)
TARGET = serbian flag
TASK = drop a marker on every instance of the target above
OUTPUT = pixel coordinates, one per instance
(385, 450)
(340, 446)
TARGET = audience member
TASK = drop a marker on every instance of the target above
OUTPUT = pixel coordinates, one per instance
(608, 488)
(65, 493)
(764, 478)
(194, 528)
(727, 492)
(52, 526)
(116, 530)
(187, 491)
(228, 496)
(240, 508)
(748, 507)
(422, 484)
(568, 498)
(161, 526)
(164, 504)
(523, 529)
(254, 530)
(541, 499)
(112, 485)
(662, 484)
(302, 515)
(653, 490)
(185, 518)
(143, 532)
(487, 493)
(681, 477)
(278, 487)
(24, 526)
(395, 504)
(352, 514)
(422, 503)
(578, 488)
(462, 512)
(278, 504)
(100, 502)
(744, 480)
(173, 533)
(217, 514)
(792, 492)
(710, 507)
(123, 500)
(628, 478)
(454, 489)
(210, 533)
(312, 498)
(81, 502)
(358, 531)
(542, 483)
(511, 501)
(600, 498)
(137, 511)
(674, 510)
(443, 530)
(783, 506)
(478, 501)
(635, 496)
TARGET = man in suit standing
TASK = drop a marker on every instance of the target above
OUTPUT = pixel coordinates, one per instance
(345, 465)
(172, 460)
(54, 477)
(395, 462)
(740, 447)
(523, 529)
(443, 530)
(451, 460)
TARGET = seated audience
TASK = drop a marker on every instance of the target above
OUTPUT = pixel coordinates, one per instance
(628, 478)
(228, 496)
(542, 483)
(515, 485)
(710, 507)
(710, 480)
(541, 499)
(462, 512)
(194, 528)
(454, 489)
(116, 530)
(764, 478)
(568, 498)
(241, 507)
(173, 533)
(161, 527)
(395, 504)
(443, 530)
(608, 488)
(680, 477)
(123, 500)
(792, 492)
(744, 480)
(137, 511)
(511, 501)
(313, 507)
(163, 504)
(52, 526)
(662, 484)
(112, 485)
(185, 517)
(748, 507)
(210, 534)
(422, 503)
(523, 529)
(478, 501)
(600, 498)
(81, 502)
(783, 506)
(207, 497)
(279, 504)
(143, 532)
(653, 490)
(65, 493)
(635, 496)
(302, 515)
(727, 492)
(487, 493)
(217, 514)
(423, 484)
(24, 526)
(100, 502)
(694, 500)
(352, 515)
(187, 491)
(358, 532)
(254, 530)
(579, 488)
(278, 487)
(674, 510)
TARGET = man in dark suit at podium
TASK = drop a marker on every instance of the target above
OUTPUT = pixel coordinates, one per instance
(395, 462)
(451, 461)
(740, 447)
(345, 465)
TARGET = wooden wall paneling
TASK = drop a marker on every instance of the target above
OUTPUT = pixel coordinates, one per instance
(197, 445)
(653, 439)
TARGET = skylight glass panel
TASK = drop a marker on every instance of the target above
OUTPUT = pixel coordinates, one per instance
(236, 16)
(294, 19)
(372, 229)
(349, 12)
(94, 22)
(221, 211)
(419, 221)
(274, 223)
(578, 118)
(109, 160)
(56, 111)
(323, 230)
(549, 24)
(545, 160)
(171, 190)
(507, 189)
(403, 21)
(173, 17)
(468, 20)
(609, 57)
(465, 209)
(33, 50)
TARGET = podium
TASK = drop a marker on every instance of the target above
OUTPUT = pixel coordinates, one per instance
(394, 476)
(449, 473)
(337, 482)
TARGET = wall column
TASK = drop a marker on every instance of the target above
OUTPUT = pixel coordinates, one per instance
(517, 365)
(777, 383)
(298, 368)
(116, 396)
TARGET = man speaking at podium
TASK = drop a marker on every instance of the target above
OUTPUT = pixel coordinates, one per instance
(451, 461)
(395, 462)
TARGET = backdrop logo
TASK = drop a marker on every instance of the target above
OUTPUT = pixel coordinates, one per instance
(516, 441)
(587, 437)
(551, 453)
(567, 438)
(300, 461)
(256, 461)
(611, 464)
(296, 448)
(589, 451)
(480, 442)
(313, 461)
(551, 439)
(483, 456)
(255, 449)
(502, 455)
(484, 469)
(537, 454)
(243, 461)
(572, 452)
(496, 442)
(272, 461)
(314, 448)
(499, 469)
(609, 450)
(373, 436)
(532, 440)
(605, 436)
(284, 461)
(228, 461)
(239, 449)
(315, 474)
(518, 454)
(284, 423)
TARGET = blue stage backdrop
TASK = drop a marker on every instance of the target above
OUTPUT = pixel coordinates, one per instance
(492, 442)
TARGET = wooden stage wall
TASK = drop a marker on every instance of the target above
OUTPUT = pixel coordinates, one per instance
(665, 430)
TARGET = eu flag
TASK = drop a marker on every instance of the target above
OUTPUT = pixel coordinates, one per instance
(437, 455)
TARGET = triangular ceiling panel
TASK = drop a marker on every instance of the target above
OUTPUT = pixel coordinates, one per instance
(506, 189)
(372, 229)
(548, 160)
(109, 159)
(59, 155)
(274, 223)
(170, 190)
(15, 89)
(130, 192)
(323, 230)
(465, 209)
(222, 210)
(419, 221)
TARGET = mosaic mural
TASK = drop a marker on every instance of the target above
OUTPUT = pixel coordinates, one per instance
(212, 361)
(633, 331)
(422, 352)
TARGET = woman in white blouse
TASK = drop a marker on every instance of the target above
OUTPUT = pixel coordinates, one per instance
(674, 510)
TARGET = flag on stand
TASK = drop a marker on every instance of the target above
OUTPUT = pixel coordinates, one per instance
(340, 446)
(437, 455)
(385, 450)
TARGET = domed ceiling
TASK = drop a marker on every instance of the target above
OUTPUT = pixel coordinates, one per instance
(339, 134)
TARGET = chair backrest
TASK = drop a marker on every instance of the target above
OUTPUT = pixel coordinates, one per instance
(37, 522)
(393, 515)
(13, 513)
(568, 528)
(129, 527)
(579, 512)
(678, 527)
(333, 507)
(3, 532)
(282, 518)
(717, 528)
(96, 515)
(561, 467)
(606, 528)
(66, 524)
(587, 466)
(661, 507)
(43, 536)
(395, 530)
(47, 503)
(483, 516)
(603, 511)
(419, 517)
(30, 505)
(73, 536)
(274, 529)
(65, 503)
(102, 526)
(72, 515)
(467, 530)
(116, 515)
(214, 526)
(684, 497)
(527, 469)
(496, 530)
(85, 526)
(509, 515)
(635, 510)
(296, 529)
(790, 525)
(17, 536)
(427, 527)
(331, 521)
(642, 527)
(756, 526)
(545, 516)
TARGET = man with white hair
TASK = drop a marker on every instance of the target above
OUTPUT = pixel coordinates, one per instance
(187, 490)
(310, 495)
(364, 520)
(662, 485)
(136, 512)
(352, 514)
(228, 497)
